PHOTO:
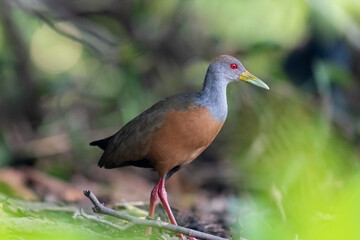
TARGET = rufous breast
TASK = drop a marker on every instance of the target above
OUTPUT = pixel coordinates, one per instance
(184, 136)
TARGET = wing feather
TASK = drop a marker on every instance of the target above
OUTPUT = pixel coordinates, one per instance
(130, 145)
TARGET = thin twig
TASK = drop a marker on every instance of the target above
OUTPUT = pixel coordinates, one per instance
(99, 208)
(98, 219)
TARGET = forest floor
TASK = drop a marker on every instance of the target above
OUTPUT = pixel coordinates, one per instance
(35, 205)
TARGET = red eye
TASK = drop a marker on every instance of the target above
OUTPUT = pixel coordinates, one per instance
(234, 66)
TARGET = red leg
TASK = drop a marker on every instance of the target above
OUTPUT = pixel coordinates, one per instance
(153, 199)
(163, 198)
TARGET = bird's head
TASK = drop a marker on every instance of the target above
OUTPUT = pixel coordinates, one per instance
(231, 69)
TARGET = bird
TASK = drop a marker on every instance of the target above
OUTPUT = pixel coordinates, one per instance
(176, 130)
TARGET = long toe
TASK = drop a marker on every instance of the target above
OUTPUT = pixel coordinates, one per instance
(182, 236)
(191, 238)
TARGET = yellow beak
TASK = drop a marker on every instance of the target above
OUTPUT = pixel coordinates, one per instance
(248, 77)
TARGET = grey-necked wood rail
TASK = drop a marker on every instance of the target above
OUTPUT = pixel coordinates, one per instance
(174, 131)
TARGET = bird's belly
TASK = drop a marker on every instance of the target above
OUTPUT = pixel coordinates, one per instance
(183, 137)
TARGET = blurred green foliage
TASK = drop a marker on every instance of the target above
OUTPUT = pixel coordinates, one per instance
(30, 220)
(241, 24)
(302, 178)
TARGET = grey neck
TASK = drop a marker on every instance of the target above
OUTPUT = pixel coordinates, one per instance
(213, 96)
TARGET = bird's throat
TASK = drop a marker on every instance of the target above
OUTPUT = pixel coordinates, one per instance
(213, 96)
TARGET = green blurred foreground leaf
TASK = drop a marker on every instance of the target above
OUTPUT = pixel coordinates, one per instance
(43, 220)
(305, 183)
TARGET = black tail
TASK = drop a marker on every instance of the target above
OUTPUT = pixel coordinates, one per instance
(102, 143)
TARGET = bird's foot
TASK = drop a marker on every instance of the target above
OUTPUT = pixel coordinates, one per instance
(191, 238)
(183, 237)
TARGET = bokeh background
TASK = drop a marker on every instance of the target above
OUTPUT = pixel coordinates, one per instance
(285, 165)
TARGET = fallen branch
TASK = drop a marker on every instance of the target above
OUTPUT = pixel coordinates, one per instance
(100, 208)
(98, 219)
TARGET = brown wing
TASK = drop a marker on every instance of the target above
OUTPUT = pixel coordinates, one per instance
(130, 145)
